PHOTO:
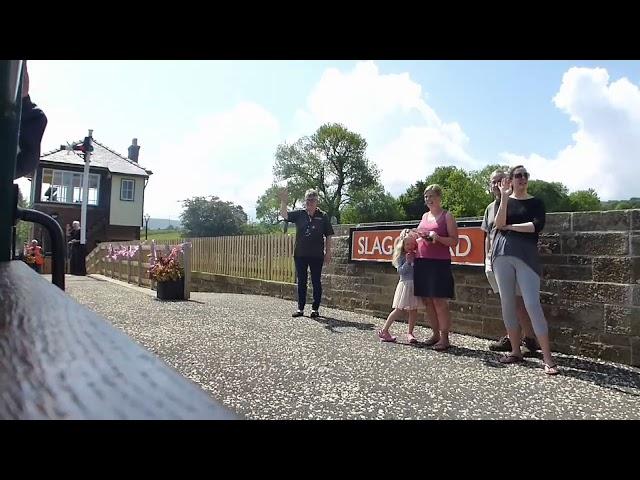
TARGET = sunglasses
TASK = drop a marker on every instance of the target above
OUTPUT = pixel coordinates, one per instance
(521, 175)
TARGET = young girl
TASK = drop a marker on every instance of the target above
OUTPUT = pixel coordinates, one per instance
(403, 258)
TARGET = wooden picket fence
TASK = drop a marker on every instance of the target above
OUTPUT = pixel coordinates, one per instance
(266, 257)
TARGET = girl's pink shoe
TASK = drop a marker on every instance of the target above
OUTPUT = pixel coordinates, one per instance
(386, 336)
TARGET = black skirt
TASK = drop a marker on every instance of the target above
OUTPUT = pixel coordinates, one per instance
(433, 278)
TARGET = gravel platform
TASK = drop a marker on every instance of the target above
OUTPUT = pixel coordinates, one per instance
(249, 353)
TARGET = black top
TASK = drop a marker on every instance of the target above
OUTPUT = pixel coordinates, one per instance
(310, 232)
(523, 245)
(523, 211)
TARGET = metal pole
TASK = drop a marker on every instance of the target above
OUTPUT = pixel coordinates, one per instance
(85, 189)
(57, 241)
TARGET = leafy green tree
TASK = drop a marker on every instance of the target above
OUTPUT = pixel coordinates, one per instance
(584, 200)
(554, 195)
(23, 229)
(212, 217)
(268, 204)
(372, 205)
(333, 161)
(462, 193)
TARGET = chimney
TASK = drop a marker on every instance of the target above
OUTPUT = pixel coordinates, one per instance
(134, 150)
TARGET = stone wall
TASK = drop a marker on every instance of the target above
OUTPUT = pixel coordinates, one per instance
(590, 289)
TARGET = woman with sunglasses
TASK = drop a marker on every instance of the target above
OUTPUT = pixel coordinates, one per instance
(515, 259)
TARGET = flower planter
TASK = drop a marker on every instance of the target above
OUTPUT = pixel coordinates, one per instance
(171, 290)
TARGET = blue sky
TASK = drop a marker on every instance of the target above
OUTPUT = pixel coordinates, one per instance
(212, 127)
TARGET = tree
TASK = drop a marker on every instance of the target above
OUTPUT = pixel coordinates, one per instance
(333, 161)
(463, 194)
(211, 217)
(482, 176)
(373, 204)
(23, 229)
(553, 194)
(584, 200)
(268, 204)
(633, 202)
(411, 202)
(257, 228)
(623, 205)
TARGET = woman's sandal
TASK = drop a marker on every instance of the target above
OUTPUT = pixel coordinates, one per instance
(439, 347)
(551, 369)
(431, 341)
(511, 358)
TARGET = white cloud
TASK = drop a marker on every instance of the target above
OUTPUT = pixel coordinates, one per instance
(417, 151)
(407, 139)
(363, 98)
(228, 154)
(605, 146)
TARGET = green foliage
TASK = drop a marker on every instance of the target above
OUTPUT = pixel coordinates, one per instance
(373, 204)
(23, 229)
(212, 217)
(260, 229)
(554, 195)
(463, 193)
(333, 161)
(584, 200)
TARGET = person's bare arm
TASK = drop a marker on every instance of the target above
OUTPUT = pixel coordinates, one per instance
(505, 191)
(452, 228)
(283, 195)
(526, 227)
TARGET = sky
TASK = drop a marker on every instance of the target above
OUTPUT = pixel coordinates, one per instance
(212, 127)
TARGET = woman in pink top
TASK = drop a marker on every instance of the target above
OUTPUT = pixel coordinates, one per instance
(433, 279)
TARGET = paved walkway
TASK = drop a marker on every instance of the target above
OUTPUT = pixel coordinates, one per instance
(250, 354)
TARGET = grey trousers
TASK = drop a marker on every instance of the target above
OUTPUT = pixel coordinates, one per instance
(509, 270)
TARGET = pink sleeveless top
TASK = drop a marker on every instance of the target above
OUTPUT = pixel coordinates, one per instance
(434, 250)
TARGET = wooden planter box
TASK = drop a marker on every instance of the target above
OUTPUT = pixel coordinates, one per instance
(172, 290)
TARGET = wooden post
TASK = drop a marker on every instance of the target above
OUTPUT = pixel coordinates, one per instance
(227, 257)
(261, 258)
(232, 256)
(129, 266)
(186, 262)
(139, 263)
(269, 255)
(153, 250)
